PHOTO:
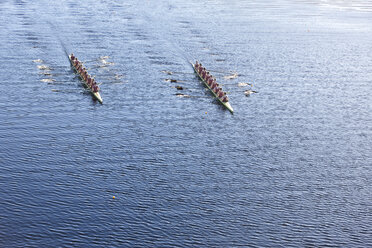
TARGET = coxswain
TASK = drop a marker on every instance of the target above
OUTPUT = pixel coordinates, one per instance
(225, 99)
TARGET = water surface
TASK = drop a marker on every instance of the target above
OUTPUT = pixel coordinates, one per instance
(291, 167)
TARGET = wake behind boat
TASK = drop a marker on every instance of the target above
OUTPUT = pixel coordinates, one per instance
(212, 85)
(88, 81)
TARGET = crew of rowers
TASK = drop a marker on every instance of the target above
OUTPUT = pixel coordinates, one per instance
(211, 81)
(90, 82)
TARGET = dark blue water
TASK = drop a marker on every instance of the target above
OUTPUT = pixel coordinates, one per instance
(290, 168)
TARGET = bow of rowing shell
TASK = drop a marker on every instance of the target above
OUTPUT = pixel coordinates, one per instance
(95, 94)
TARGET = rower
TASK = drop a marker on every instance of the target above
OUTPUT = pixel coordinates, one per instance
(72, 56)
(225, 99)
(196, 64)
(200, 69)
(207, 76)
(211, 77)
(95, 88)
(204, 73)
(220, 94)
(210, 81)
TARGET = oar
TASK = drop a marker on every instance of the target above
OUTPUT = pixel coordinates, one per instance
(235, 84)
(176, 72)
(93, 60)
(189, 96)
(180, 88)
(173, 80)
(236, 91)
(64, 91)
(224, 72)
(176, 80)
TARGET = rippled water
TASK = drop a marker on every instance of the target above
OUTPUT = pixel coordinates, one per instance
(291, 167)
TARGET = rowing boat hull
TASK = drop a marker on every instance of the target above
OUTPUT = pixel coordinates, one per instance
(226, 104)
(95, 94)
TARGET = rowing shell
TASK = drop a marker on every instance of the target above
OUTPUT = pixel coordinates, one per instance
(226, 104)
(95, 94)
